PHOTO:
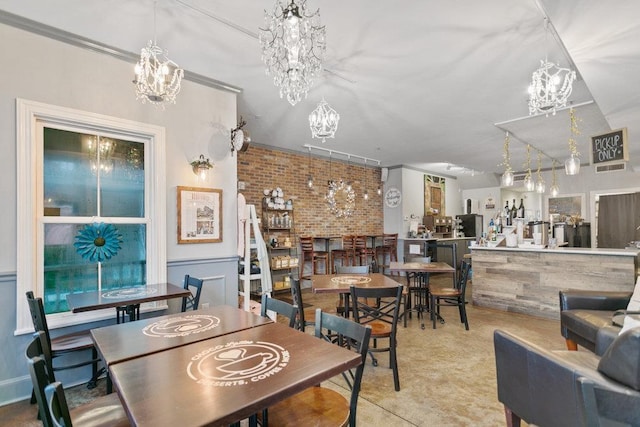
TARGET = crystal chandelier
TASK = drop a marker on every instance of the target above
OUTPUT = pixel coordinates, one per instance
(157, 77)
(550, 86)
(100, 150)
(528, 180)
(323, 121)
(507, 176)
(540, 185)
(293, 46)
(572, 164)
(555, 189)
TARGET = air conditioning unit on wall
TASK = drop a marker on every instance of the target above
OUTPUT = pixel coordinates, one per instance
(611, 167)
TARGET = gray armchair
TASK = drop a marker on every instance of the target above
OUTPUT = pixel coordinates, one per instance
(585, 318)
(541, 386)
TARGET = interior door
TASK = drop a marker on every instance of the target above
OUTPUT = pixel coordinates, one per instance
(618, 220)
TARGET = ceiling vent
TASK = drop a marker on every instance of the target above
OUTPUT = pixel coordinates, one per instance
(611, 168)
(518, 178)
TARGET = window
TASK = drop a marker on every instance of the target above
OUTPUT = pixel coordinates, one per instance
(79, 173)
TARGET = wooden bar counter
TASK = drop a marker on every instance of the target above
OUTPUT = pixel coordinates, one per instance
(528, 280)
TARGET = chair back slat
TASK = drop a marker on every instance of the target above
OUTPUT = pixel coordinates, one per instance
(57, 405)
(41, 375)
(296, 296)
(38, 316)
(280, 307)
(343, 332)
(192, 284)
(306, 243)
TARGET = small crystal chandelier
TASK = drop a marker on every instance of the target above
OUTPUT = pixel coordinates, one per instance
(540, 185)
(157, 77)
(550, 86)
(293, 46)
(572, 164)
(554, 190)
(100, 150)
(528, 180)
(507, 176)
(323, 121)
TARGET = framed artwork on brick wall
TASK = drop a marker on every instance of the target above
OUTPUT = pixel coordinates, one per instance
(199, 215)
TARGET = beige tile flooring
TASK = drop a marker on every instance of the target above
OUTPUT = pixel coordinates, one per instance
(447, 374)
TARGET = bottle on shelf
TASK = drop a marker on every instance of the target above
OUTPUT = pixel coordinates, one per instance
(492, 231)
(507, 214)
(514, 210)
(521, 209)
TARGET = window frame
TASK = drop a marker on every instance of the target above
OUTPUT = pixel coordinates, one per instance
(31, 116)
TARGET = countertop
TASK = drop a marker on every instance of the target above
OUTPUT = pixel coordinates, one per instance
(564, 250)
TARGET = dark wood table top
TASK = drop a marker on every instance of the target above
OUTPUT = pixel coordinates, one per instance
(117, 343)
(421, 267)
(98, 300)
(341, 283)
(225, 379)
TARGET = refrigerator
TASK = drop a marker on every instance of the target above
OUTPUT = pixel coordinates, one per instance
(471, 224)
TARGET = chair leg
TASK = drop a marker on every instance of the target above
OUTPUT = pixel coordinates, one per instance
(463, 313)
(513, 420)
(394, 366)
(571, 345)
(433, 311)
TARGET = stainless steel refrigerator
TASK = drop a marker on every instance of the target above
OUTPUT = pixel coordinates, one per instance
(471, 224)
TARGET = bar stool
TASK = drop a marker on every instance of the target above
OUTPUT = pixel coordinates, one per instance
(309, 254)
(346, 255)
(389, 248)
(363, 252)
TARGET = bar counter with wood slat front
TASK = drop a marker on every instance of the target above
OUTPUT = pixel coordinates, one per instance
(225, 379)
(527, 280)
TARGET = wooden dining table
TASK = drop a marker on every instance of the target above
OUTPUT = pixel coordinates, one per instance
(421, 305)
(341, 284)
(227, 378)
(128, 297)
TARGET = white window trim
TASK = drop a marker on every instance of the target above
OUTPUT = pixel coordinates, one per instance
(30, 201)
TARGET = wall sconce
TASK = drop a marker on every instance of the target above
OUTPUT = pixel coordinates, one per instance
(201, 167)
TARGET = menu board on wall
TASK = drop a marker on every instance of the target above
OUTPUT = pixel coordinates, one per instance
(609, 147)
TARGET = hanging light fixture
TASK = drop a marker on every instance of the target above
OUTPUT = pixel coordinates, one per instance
(554, 190)
(157, 77)
(201, 167)
(323, 121)
(310, 177)
(507, 176)
(293, 46)
(551, 85)
(340, 199)
(529, 185)
(540, 185)
(572, 164)
(100, 150)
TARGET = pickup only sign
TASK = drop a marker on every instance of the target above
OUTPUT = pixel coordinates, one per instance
(609, 147)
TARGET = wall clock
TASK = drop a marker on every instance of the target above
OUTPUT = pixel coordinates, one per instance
(393, 197)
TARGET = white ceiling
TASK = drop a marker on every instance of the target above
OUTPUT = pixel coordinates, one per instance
(418, 83)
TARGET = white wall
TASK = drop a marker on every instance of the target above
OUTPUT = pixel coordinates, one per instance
(40, 69)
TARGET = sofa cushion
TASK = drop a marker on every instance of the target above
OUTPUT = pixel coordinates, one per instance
(586, 323)
(621, 361)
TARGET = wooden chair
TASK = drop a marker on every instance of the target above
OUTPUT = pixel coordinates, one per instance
(346, 254)
(304, 315)
(388, 249)
(319, 406)
(309, 254)
(102, 411)
(363, 252)
(280, 307)
(380, 309)
(191, 302)
(64, 344)
(451, 297)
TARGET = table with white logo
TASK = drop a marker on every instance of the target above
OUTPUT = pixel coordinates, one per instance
(225, 379)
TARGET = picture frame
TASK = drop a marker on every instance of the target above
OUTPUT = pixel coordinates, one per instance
(199, 215)
(563, 208)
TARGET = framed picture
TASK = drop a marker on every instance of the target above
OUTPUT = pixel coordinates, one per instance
(199, 215)
(565, 207)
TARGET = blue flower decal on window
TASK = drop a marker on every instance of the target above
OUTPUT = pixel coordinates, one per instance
(98, 242)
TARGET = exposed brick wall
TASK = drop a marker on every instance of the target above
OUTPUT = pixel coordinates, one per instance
(264, 168)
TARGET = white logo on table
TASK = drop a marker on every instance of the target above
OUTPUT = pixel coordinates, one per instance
(142, 291)
(237, 363)
(181, 326)
(351, 280)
